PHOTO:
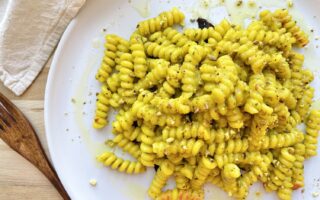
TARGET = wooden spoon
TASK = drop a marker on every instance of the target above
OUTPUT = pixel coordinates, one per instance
(17, 132)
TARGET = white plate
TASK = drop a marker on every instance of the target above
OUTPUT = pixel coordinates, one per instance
(73, 144)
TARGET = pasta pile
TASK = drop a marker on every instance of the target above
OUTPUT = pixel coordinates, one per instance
(214, 105)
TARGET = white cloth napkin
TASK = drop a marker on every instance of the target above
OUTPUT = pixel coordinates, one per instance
(29, 32)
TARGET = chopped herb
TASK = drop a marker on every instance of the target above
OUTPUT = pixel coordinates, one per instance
(239, 2)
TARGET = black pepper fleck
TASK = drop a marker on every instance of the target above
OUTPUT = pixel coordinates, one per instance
(156, 167)
(203, 23)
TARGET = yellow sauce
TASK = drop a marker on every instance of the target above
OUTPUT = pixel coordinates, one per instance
(94, 147)
(141, 6)
(311, 59)
(238, 14)
(135, 191)
(316, 104)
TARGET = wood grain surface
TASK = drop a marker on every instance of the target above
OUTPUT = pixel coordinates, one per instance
(18, 178)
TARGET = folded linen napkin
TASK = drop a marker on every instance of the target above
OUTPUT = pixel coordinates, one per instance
(29, 32)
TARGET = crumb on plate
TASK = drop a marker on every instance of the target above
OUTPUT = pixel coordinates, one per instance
(93, 182)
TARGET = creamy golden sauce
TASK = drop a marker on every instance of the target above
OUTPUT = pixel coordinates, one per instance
(238, 14)
(135, 191)
(141, 6)
(316, 104)
(80, 96)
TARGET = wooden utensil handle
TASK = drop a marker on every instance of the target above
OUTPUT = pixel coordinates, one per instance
(22, 138)
(50, 173)
(36, 155)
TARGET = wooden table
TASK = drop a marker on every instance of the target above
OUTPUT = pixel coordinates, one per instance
(18, 178)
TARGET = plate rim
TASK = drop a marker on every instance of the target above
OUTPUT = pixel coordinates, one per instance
(47, 101)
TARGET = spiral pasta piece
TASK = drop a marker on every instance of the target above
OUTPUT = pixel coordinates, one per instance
(197, 35)
(235, 118)
(193, 58)
(170, 53)
(282, 172)
(172, 106)
(156, 75)
(126, 77)
(111, 160)
(172, 82)
(182, 181)
(260, 124)
(297, 176)
(162, 21)
(209, 74)
(278, 140)
(102, 108)
(201, 173)
(238, 158)
(244, 182)
(139, 56)
(177, 194)
(221, 135)
(179, 39)
(226, 83)
(187, 131)
(126, 145)
(184, 147)
(124, 122)
(312, 129)
(304, 103)
(230, 173)
(108, 60)
(247, 52)
(290, 25)
(147, 156)
(281, 41)
(165, 170)
(159, 38)
(285, 193)
(217, 33)
(269, 20)
(255, 101)
(230, 146)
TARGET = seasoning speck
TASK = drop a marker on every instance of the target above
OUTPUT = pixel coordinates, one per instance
(169, 140)
(73, 100)
(93, 182)
(239, 2)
